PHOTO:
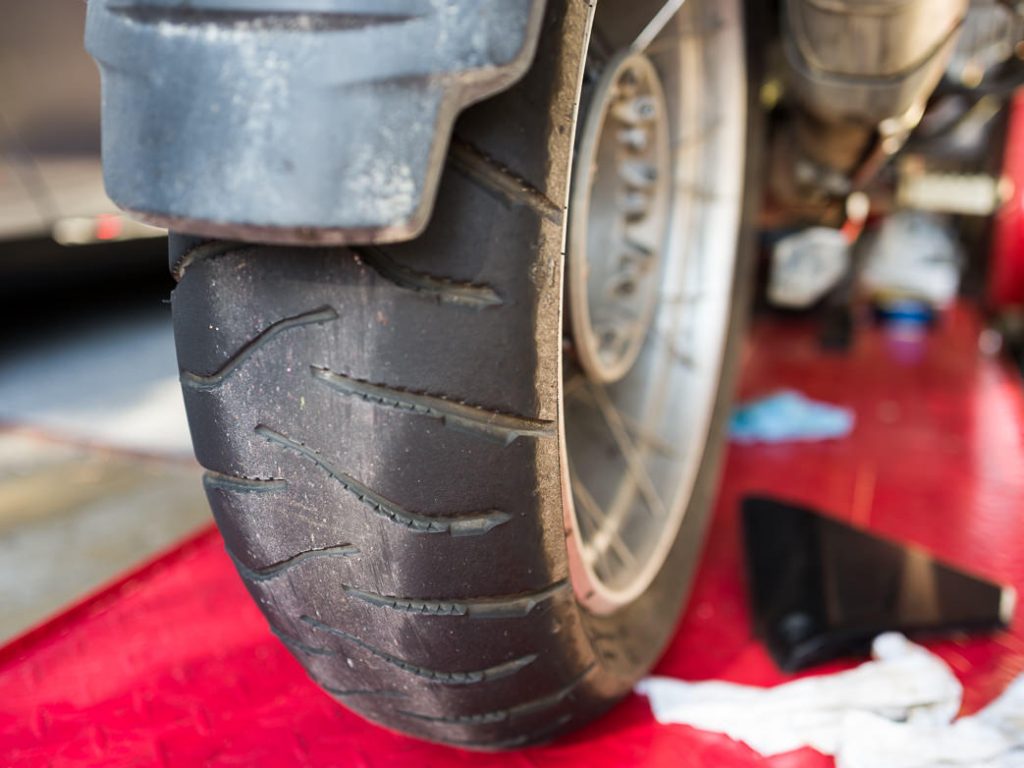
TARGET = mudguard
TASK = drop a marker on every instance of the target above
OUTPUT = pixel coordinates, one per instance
(295, 121)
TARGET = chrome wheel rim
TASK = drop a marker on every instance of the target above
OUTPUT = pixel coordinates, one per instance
(635, 422)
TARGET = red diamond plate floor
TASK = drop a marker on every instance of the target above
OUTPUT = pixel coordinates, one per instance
(173, 665)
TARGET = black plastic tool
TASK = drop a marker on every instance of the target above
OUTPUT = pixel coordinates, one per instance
(821, 589)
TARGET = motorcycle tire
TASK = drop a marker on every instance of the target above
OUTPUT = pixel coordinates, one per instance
(380, 429)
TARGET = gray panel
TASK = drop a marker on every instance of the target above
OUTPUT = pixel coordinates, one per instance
(251, 119)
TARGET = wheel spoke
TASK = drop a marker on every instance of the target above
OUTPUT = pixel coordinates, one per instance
(677, 353)
(580, 393)
(574, 386)
(697, 192)
(656, 25)
(683, 299)
(703, 30)
(689, 141)
(601, 51)
(607, 536)
(646, 439)
(632, 455)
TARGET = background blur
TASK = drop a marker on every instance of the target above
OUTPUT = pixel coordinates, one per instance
(96, 469)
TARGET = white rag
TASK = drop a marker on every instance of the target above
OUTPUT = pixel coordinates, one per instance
(896, 711)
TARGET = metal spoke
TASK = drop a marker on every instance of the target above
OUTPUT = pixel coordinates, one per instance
(703, 194)
(587, 502)
(633, 457)
(653, 442)
(700, 31)
(675, 352)
(575, 386)
(684, 299)
(607, 536)
(656, 25)
(600, 49)
(702, 134)
(636, 430)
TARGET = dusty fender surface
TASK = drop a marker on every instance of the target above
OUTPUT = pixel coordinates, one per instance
(255, 120)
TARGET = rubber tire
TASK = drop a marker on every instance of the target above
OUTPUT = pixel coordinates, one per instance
(399, 519)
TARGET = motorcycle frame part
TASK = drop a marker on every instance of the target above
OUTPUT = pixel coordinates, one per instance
(252, 120)
(860, 74)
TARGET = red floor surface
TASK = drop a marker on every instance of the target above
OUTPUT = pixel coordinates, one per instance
(174, 665)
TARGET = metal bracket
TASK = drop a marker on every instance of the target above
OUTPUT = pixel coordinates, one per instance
(326, 123)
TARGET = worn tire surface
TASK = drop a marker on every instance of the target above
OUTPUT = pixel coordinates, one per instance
(379, 427)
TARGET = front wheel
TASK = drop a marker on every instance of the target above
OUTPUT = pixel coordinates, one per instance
(467, 493)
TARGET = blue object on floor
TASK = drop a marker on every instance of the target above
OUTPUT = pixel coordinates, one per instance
(789, 415)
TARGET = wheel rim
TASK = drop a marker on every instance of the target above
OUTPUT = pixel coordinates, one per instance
(635, 422)
(621, 224)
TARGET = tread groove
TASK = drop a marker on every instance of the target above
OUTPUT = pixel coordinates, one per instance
(209, 249)
(492, 425)
(496, 672)
(272, 571)
(297, 645)
(510, 607)
(493, 176)
(215, 379)
(441, 288)
(470, 524)
(344, 693)
(239, 484)
(533, 706)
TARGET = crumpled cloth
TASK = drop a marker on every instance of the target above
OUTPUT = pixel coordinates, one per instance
(896, 711)
(786, 416)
